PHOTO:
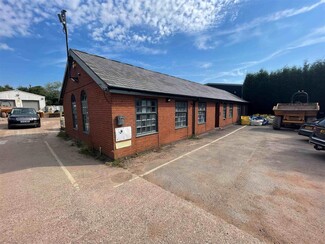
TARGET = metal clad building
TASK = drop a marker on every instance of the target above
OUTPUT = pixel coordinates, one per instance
(17, 98)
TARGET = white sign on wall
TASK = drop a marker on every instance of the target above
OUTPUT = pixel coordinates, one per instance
(123, 133)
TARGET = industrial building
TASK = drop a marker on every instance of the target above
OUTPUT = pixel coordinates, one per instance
(121, 109)
(17, 98)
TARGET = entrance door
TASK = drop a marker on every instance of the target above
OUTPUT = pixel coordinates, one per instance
(217, 114)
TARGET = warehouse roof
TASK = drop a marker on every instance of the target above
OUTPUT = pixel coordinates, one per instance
(112, 75)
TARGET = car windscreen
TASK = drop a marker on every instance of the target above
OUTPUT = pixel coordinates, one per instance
(322, 122)
(23, 111)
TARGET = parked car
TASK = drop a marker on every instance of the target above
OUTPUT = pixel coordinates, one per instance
(23, 117)
(308, 128)
(318, 136)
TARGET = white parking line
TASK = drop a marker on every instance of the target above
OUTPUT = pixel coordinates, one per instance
(67, 173)
(3, 142)
(175, 159)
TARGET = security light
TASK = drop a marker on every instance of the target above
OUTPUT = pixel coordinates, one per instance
(63, 21)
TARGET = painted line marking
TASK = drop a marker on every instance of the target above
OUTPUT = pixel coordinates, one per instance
(3, 142)
(67, 173)
(135, 178)
(182, 156)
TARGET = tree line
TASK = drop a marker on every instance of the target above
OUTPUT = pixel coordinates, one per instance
(265, 89)
(51, 91)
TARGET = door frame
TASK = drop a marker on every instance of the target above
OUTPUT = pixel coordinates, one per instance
(217, 117)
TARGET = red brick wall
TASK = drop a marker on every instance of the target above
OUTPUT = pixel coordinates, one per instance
(125, 105)
(210, 118)
(103, 108)
(228, 121)
(99, 112)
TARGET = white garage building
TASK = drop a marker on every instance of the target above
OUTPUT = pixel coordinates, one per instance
(16, 98)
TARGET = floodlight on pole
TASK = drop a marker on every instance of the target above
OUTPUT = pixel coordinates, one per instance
(63, 21)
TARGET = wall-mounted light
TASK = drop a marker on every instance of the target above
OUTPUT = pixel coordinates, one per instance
(168, 100)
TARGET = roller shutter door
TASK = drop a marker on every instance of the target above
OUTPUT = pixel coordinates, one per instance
(7, 103)
(31, 104)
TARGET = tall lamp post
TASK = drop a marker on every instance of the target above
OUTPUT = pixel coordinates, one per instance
(63, 20)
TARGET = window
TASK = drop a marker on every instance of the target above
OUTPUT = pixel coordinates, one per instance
(231, 110)
(202, 113)
(180, 114)
(239, 110)
(224, 111)
(84, 112)
(74, 112)
(146, 116)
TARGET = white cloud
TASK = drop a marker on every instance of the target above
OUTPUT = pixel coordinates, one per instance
(205, 65)
(316, 36)
(271, 18)
(125, 21)
(4, 46)
(205, 42)
(238, 72)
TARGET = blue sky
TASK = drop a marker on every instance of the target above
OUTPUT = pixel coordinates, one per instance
(203, 41)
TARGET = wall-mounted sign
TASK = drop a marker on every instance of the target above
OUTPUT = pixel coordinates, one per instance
(123, 144)
(123, 133)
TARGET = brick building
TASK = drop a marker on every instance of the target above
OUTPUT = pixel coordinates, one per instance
(121, 109)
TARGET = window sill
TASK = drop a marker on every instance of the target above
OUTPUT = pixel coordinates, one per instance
(202, 123)
(176, 128)
(147, 134)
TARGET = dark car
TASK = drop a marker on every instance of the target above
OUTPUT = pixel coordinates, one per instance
(318, 136)
(308, 128)
(23, 117)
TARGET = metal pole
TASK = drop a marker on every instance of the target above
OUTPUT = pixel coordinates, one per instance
(63, 20)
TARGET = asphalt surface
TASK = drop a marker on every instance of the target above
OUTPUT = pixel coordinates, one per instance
(270, 184)
(49, 193)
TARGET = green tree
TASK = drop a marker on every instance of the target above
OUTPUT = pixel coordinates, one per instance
(264, 90)
(6, 88)
(53, 92)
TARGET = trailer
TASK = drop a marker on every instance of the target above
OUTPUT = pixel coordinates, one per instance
(296, 112)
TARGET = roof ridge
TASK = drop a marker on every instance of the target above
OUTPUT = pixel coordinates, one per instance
(135, 66)
(113, 77)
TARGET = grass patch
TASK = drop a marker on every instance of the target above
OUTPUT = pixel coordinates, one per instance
(90, 151)
(194, 137)
(63, 135)
(116, 163)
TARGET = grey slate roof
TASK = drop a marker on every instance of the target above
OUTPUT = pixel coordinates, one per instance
(124, 76)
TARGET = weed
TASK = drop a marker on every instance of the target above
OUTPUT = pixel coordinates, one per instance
(63, 135)
(117, 163)
(194, 137)
(79, 143)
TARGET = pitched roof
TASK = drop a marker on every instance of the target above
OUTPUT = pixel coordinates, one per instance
(117, 75)
(14, 92)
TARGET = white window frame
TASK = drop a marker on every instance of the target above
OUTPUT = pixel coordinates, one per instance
(224, 111)
(231, 110)
(84, 111)
(74, 112)
(202, 108)
(181, 111)
(146, 116)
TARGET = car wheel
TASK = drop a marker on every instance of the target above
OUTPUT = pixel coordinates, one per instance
(9, 126)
